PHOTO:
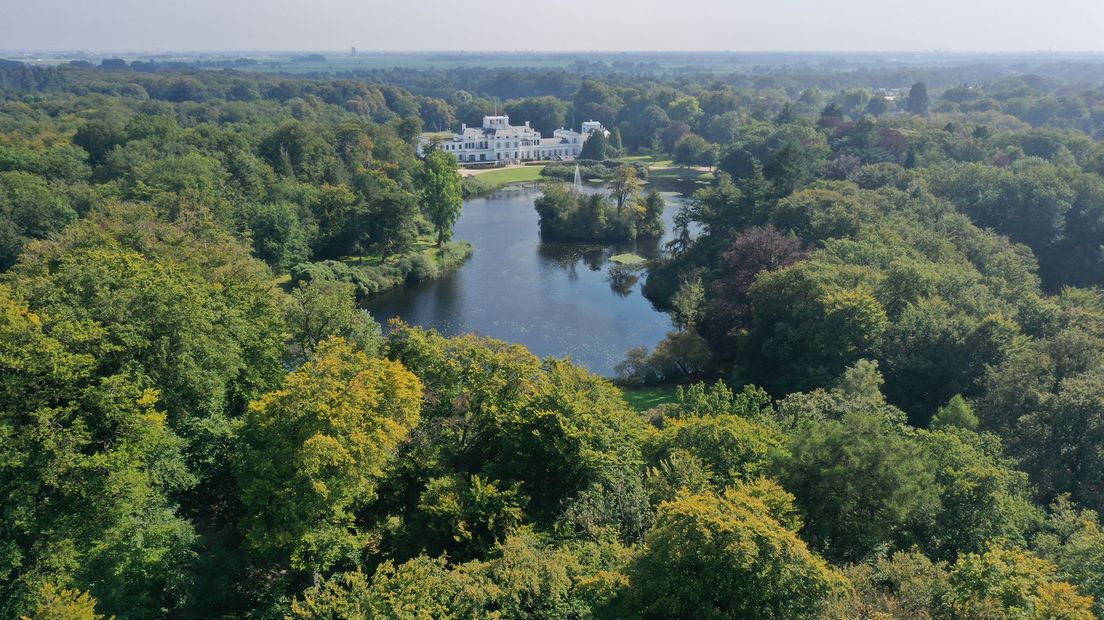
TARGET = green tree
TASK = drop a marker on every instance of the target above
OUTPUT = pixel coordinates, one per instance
(957, 413)
(861, 484)
(551, 427)
(442, 193)
(732, 448)
(596, 147)
(29, 209)
(807, 328)
(466, 516)
(545, 114)
(1073, 540)
(320, 309)
(278, 235)
(685, 109)
(694, 150)
(918, 99)
(88, 469)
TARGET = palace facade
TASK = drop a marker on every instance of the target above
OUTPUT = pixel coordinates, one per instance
(500, 143)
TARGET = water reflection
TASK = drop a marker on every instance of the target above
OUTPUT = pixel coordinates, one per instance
(565, 300)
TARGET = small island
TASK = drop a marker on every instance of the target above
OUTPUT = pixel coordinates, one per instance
(568, 214)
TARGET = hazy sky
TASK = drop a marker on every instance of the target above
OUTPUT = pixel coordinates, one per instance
(741, 25)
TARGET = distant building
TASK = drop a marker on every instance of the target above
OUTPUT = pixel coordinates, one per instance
(501, 143)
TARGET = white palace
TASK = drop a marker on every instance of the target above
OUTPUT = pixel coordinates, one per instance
(499, 143)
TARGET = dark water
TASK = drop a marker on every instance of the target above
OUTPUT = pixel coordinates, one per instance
(556, 299)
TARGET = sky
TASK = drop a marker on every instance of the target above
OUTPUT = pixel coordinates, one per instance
(554, 25)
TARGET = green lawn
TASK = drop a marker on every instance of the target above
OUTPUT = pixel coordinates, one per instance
(652, 161)
(502, 176)
(660, 167)
(643, 399)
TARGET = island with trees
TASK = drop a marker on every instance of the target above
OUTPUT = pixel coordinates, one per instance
(622, 214)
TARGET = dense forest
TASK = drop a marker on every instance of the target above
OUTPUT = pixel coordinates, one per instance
(889, 351)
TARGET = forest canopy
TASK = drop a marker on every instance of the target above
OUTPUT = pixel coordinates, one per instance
(888, 343)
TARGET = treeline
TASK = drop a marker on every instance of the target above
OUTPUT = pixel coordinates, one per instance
(304, 180)
(161, 461)
(945, 250)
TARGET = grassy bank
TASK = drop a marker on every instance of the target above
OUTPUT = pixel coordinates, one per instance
(644, 398)
(487, 181)
(664, 168)
(374, 274)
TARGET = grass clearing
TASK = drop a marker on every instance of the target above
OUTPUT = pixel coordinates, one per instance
(502, 176)
(664, 168)
(644, 398)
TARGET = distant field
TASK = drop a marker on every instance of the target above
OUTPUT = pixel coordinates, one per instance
(643, 399)
(336, 64)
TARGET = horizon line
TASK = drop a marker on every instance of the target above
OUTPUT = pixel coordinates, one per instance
(346, 50)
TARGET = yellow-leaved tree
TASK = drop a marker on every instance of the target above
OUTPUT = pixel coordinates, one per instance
(313, 451)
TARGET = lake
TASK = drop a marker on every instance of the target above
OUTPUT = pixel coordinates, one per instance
(563, 300)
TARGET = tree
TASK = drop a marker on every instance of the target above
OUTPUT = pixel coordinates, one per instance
(957, 413)
(671, 135)
(320, 309)
(1073, 540)
(524, 578)
(624, 186)
(313, 452)
(680, 354)
(615, 147)
(649, 222)
(60, 604)
(918, 99)
(730, 448)
(185, 314)
(278, 235)
(806, 329)
(981, 497)
(752, 251)
(392, 222)
(727, 556)
(861, 484)
(1070, 423)
(901, 586)
(1010, 583)
(877, 106)
(684, 109)
(29, 209)
(466, 517)
(722, 129)
(596, 147)
(694, 150)
(545, 114)
(552, 427)
(89, 467)
(442, 194)
(688, 304)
